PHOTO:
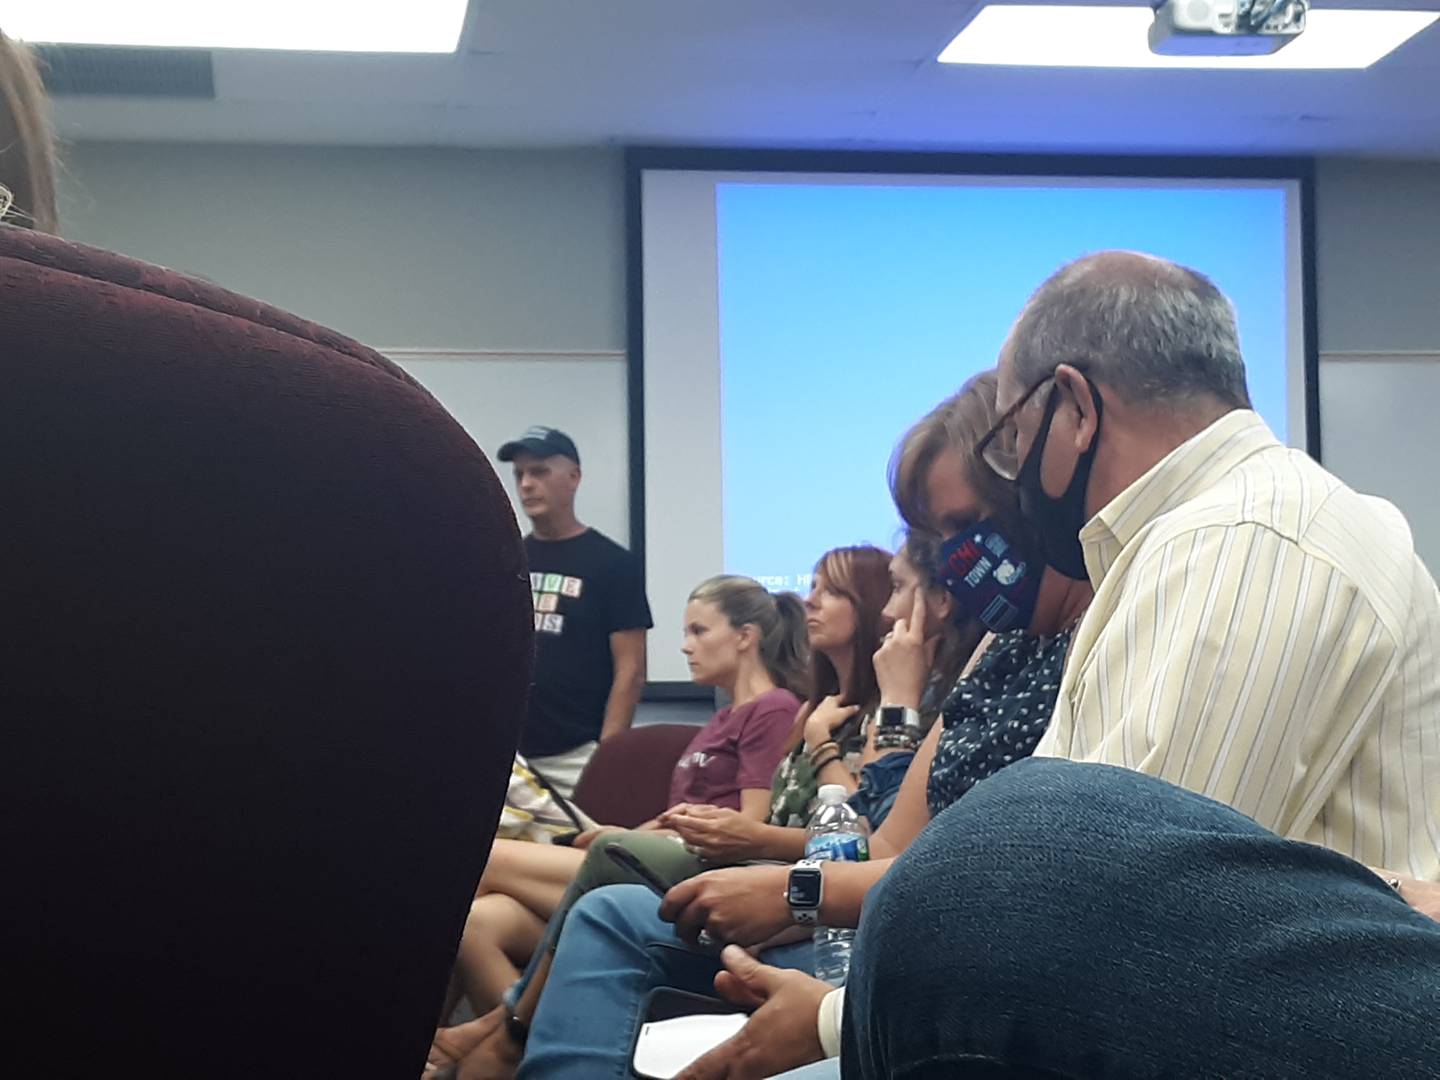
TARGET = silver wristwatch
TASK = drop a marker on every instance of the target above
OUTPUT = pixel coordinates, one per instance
(897, 728)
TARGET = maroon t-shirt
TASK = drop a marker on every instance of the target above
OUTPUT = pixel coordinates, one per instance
(738, 749)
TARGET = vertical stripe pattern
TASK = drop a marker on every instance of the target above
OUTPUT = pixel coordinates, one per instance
(1266, 636)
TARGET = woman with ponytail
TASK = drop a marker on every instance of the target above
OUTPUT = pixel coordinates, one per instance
(739, 638)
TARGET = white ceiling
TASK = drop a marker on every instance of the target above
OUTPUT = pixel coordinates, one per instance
(805, 73)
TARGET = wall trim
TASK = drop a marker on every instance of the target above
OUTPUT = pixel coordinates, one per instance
(1362, 355)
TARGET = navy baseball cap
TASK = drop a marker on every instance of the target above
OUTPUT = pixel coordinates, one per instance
(542, 442)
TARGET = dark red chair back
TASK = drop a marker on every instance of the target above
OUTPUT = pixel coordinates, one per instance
(265, 634)
(627, 782)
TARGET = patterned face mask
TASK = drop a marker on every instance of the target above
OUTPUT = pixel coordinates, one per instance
(991, 579)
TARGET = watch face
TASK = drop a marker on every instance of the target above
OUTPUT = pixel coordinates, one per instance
(804, 888)
(892, 716)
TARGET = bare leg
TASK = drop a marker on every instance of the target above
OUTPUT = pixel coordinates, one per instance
(500, 934)
(453, 1043)
(534, 874)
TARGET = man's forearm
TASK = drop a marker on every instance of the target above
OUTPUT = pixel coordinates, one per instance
(625, 694)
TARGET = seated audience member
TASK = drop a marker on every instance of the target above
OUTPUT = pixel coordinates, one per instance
(1297, 674)
(1262, 635)
(591, 615)
(917, 665)
(739, 638)
(27, 160)
(617, 939)
(833, 739)
(523, 885)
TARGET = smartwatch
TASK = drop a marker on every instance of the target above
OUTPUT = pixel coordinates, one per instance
(804, 891)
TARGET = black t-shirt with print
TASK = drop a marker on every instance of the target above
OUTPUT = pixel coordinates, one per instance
(585, 589)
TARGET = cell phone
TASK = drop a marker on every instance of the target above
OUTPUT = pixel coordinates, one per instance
(678, 1028)
(628, 860)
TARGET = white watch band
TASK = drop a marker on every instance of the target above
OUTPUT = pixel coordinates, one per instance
(808, 916)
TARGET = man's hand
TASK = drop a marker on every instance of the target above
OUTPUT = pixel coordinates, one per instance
(1423, 896)
(782, 1035)
(744, 905)
(717, 834)
(826, 719)
(902, 663)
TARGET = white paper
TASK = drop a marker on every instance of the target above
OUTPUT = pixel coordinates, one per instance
(667, 1046)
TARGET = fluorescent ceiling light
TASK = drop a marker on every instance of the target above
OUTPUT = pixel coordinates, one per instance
(1115, 37)
(401, 26)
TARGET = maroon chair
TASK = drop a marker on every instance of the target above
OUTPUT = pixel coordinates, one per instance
(627, 782)
(265, 634)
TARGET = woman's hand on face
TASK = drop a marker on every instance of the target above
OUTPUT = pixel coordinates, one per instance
(717, 834)
(827, 717)
(902, 663)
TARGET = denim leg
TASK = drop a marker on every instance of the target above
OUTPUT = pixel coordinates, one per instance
(1067, 920)
(613, 951)
(668, 859)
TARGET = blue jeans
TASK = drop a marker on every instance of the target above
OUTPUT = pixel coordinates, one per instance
(1100, 923)
(613, 951)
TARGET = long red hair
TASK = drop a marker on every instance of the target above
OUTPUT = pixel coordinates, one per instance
(862, 576)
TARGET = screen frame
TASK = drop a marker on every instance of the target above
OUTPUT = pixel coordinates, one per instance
(642, 159)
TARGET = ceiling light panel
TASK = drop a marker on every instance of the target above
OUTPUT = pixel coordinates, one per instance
(1052, 35)
(411, 26)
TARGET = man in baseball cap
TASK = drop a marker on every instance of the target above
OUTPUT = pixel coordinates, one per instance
(591, 615)
(541, 442)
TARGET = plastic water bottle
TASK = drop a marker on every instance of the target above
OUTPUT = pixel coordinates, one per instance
(835, 833)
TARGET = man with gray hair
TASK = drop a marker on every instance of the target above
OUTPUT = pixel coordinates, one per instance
(1253, 891)
(1260, 633)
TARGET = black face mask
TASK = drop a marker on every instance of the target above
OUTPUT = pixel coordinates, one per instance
(1058, 522)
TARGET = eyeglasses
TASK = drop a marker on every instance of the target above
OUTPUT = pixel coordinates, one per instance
(1000, 448)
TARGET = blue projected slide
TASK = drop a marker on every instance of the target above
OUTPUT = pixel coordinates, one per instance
(849, 310)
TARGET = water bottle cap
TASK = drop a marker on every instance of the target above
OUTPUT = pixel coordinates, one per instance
(833, 794)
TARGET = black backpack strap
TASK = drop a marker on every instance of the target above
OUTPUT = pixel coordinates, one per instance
(564, 803)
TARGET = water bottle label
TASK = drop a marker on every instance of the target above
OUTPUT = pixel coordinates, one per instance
(838, 847)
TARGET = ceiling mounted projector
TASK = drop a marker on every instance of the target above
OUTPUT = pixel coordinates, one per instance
(1226, 27)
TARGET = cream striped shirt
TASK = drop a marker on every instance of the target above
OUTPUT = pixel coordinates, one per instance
(1266, 636)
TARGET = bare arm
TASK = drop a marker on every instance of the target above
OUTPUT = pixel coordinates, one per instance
(755, 804)
(846, 884)
(836, 773)
(728, 836)
(911, 811)
(627, 649)
(780, 843)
